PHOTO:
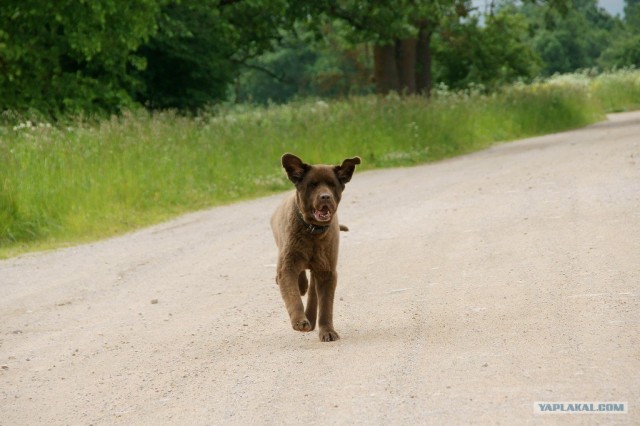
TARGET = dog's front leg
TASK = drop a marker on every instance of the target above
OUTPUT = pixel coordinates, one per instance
(325, 283)
(290, 291)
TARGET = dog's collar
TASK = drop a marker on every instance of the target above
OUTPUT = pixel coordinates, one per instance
(312, 229)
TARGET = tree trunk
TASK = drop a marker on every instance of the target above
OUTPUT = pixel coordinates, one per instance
(406, 60)
(423, 62)
(385, 68)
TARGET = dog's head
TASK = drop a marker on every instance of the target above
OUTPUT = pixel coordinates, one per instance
(319, 187)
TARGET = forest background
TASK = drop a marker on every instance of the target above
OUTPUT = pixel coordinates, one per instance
(106, 56)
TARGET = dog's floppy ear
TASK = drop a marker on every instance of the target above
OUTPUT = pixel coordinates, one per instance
(346, 169)
(295, 167)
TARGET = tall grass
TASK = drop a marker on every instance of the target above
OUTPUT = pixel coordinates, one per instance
(83, 180)
(618, 91)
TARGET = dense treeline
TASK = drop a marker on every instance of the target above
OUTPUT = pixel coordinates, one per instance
(99, 56)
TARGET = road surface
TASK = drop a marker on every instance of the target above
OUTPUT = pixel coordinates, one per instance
(468, 290)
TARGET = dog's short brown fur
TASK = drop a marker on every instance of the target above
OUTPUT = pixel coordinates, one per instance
(307, 233)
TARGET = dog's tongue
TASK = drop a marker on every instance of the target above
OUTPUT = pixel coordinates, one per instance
(322, 215)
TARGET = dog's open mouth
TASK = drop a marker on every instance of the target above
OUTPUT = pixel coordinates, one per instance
(323, 214)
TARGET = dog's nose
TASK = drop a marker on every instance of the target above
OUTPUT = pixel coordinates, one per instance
(325, 197)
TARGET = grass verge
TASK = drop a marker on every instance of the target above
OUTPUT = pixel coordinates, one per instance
(82, 181)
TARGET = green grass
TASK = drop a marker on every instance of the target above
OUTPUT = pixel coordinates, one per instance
(618, 91)
(82, 180)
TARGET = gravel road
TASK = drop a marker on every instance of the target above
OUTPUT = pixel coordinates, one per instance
(467, 291)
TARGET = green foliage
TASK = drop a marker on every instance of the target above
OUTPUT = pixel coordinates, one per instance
(367, 21)
(199, 47)
(106, 56)
(465, 51)
(618, 90)
(571, 40)
(306, 66)
(70, 56)
(188, 59)
(632, 15)
(489, 55)
(280, 75)
(624, 50)
(100, 56)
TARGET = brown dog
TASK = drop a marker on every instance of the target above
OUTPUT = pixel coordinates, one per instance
(307, 233)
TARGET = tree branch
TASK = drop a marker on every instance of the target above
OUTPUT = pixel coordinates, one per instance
(267, 71)
(336, 11)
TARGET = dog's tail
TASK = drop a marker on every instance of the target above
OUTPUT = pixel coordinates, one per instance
(344, 228)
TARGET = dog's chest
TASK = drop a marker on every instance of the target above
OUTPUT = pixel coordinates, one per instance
(323, 255)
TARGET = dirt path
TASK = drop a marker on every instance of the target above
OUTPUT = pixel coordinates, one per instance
(468, 290)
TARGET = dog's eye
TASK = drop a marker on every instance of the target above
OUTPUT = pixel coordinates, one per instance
(313, 184)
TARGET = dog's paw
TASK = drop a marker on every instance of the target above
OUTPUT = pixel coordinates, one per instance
(312, 318)
(301, 325)
(328, 335)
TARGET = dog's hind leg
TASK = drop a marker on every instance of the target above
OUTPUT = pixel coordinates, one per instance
(303, 283)
(312, 303)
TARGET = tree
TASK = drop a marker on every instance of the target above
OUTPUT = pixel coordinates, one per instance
(573, 40)
(104, 55)
(624, 50)
(306, 63)
(187, 59)
(68, 55)
(376, 22)
(632, 15)
(491, 54)
(409, 40)
(400, 32)
(202, 44)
